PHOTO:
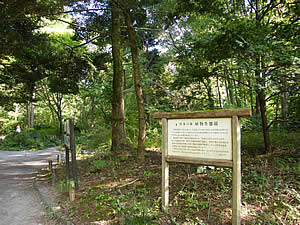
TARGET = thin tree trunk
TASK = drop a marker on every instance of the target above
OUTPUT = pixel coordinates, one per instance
(231, 94)
(262, 105)
(251, 96)
(263, 113)
(16, 112)
(227, 91)
(93, 112)
(239, 91)
(60, 121)
(31, 115)
(260, 98)
(30, 112)
(118, 114)
(284, 107)
(138, 87)
(219, 93)
(257, 105)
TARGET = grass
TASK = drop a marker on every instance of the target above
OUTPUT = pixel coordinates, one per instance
(117, 190)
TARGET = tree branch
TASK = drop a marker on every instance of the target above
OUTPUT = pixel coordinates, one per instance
(78, 25)
(282, 121)
(142, 28)
(251, 5)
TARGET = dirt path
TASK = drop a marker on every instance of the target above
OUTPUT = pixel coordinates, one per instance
(19, 201)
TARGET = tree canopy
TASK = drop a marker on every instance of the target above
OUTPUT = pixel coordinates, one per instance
(132, 58)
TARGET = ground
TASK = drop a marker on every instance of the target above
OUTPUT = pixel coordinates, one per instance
(20, 202)
(114, 189)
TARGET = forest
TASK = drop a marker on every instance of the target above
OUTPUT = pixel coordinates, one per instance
(111, 64)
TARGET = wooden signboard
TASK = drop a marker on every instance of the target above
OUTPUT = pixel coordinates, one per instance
(69, 142)
(204, 138)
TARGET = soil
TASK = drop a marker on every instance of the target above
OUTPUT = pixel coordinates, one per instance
(116, 189)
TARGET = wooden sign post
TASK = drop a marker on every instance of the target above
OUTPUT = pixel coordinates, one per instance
(204, 138)
(69, 141)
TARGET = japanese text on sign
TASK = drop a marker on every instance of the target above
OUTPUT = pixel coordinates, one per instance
(200, 138)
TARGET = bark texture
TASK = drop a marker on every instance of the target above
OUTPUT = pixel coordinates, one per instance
(118, 115)
(138, 86)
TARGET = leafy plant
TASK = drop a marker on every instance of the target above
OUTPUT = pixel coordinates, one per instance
(26, 141)
(63, 186)
(97, 165)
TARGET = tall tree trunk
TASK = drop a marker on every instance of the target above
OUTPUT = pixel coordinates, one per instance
(30, 114)
(118, 114)
(138, 86)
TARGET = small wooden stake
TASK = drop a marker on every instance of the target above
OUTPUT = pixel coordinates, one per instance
(165, 166)
(50, 165)
(236, 171)
(53, 176)
(58, 159)
(72, 191)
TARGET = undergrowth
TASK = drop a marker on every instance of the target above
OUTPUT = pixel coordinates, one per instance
(30, 139)
(116, 189)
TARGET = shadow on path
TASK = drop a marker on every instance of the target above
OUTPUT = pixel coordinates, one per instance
(19, 201)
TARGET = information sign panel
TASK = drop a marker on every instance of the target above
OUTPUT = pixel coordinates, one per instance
(200, 138)
(204, 138)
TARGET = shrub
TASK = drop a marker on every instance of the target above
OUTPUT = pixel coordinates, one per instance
(26, 141)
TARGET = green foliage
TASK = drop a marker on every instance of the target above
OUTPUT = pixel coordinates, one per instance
(252, 124)
(7, 125)
(24, 141)
(153, 137)
(63, 185)
(94, 140)
(97, 165)
(253, 143)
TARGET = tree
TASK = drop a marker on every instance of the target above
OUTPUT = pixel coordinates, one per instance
(67, 67)
(245, 39)
(24, 70)
(118, 114)
(19, 19)
(137, 81)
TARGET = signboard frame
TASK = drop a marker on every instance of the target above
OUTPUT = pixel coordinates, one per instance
(235, 163)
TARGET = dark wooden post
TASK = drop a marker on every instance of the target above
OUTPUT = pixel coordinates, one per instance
(67, 146)
(67, 163)
(58, 159)
(73, 153)
(50, 165)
